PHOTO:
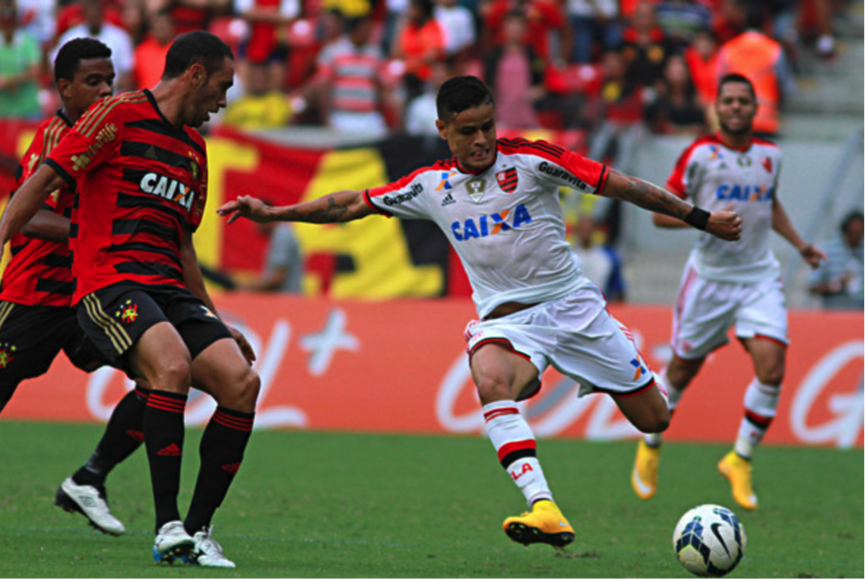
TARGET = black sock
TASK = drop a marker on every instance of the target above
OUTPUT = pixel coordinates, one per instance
(123, 435)
(221, 452)
(163, 439)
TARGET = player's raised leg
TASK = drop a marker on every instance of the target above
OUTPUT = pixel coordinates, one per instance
(501, 376)
(675, 377)
(761, 404)
(221, 370)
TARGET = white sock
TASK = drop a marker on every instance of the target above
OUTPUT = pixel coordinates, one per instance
(516, 449)
(672, 396)
(761, 403)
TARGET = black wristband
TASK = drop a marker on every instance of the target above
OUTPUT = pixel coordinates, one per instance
(698, 218)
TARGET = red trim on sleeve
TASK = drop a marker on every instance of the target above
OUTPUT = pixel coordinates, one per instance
(372, 205)
(635, 392)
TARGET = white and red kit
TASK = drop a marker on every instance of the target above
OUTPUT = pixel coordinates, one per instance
(728, 283)
(506, 225)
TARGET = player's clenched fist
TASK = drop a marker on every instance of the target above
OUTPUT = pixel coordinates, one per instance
(725, 224)
(245, 206)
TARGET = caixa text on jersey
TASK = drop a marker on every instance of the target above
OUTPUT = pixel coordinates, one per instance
(167, 188)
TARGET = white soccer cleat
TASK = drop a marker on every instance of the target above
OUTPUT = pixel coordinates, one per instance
(172, 541)
(90, 502)
(207, 552)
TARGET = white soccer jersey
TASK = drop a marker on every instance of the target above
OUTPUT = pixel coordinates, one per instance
(506, 222)
(717, 177)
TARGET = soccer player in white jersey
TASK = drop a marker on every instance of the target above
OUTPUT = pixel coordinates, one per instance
(497, 202)
(730, 284)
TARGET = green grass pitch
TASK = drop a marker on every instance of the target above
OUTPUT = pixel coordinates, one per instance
(347, 505)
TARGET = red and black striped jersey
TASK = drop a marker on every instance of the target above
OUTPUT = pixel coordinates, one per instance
(40, 272)
(142, 185)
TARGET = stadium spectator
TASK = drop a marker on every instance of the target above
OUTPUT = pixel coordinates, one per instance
(758, 57)
(601, 263)
(547, 29)
(260, 107)
(20, 59)
(266, 41)
(166, 328)
(702, 59)
(458, 28)
(189, 15)
(682, 19)
(418, 43)
(731, 284)
(645, 47)
(421, 115)
(677, 110)
(619, 104)
(515, 74)
(839, 281)
(150, 55)
(96, 26)
(527, 285)
(350, 72)
(37, 17)
(593, 23)
(283, 261)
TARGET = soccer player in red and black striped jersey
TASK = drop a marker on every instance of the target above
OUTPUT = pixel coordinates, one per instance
(37, 318)
(141, 173)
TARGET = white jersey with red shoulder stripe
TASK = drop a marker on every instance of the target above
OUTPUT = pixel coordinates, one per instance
(505, 222)
(717, 177)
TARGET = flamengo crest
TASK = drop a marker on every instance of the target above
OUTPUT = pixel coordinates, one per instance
(507, 179)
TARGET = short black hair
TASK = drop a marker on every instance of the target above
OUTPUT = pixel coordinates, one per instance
(194, 47)
(855, 215)
(736, 77)
(461, 93)
(71, 54)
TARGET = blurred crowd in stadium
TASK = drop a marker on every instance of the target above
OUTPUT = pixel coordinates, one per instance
(604, 67)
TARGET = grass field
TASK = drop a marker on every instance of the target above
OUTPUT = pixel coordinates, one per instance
(345, 505)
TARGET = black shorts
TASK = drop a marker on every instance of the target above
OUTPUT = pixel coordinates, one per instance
(115, 316)
(32, 336)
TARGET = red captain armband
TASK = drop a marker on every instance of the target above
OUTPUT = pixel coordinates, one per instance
(698, 218)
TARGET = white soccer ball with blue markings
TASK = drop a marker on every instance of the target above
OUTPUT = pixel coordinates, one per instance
(709, 541)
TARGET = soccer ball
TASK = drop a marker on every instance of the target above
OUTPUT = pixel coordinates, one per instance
(709, 541)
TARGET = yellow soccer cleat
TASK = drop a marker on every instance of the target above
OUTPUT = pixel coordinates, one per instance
(644, 477)
(545, 524)
(737, 470)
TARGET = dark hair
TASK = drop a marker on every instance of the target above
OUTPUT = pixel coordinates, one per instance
(736, 77)
(71, 54)
(461, 93)
(352, 24)
(196, 47)
(854, 215)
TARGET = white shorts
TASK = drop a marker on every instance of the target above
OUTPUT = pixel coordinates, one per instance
(577, 336)
(706, 310)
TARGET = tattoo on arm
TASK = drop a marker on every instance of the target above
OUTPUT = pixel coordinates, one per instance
(651, 197)
(333, 212)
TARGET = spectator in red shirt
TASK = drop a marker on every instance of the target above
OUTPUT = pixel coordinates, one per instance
(150, 55)
(546, 26)
(419, 42)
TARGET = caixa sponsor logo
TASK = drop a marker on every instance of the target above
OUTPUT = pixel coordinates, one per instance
(753, 193)
(391, 200)
(167, 188)
(487, 225)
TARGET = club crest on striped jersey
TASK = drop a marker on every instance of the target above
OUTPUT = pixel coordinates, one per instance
(508, 179)
(476, 188)
(6, 351)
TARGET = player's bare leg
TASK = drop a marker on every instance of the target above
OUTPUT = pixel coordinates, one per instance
(676, 377)
(761, 403)
(502, 378)
(161, 357)
(221, 371)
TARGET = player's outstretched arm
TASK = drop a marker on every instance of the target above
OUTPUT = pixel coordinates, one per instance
(333, 208)
(725, 225)
(27, 201)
